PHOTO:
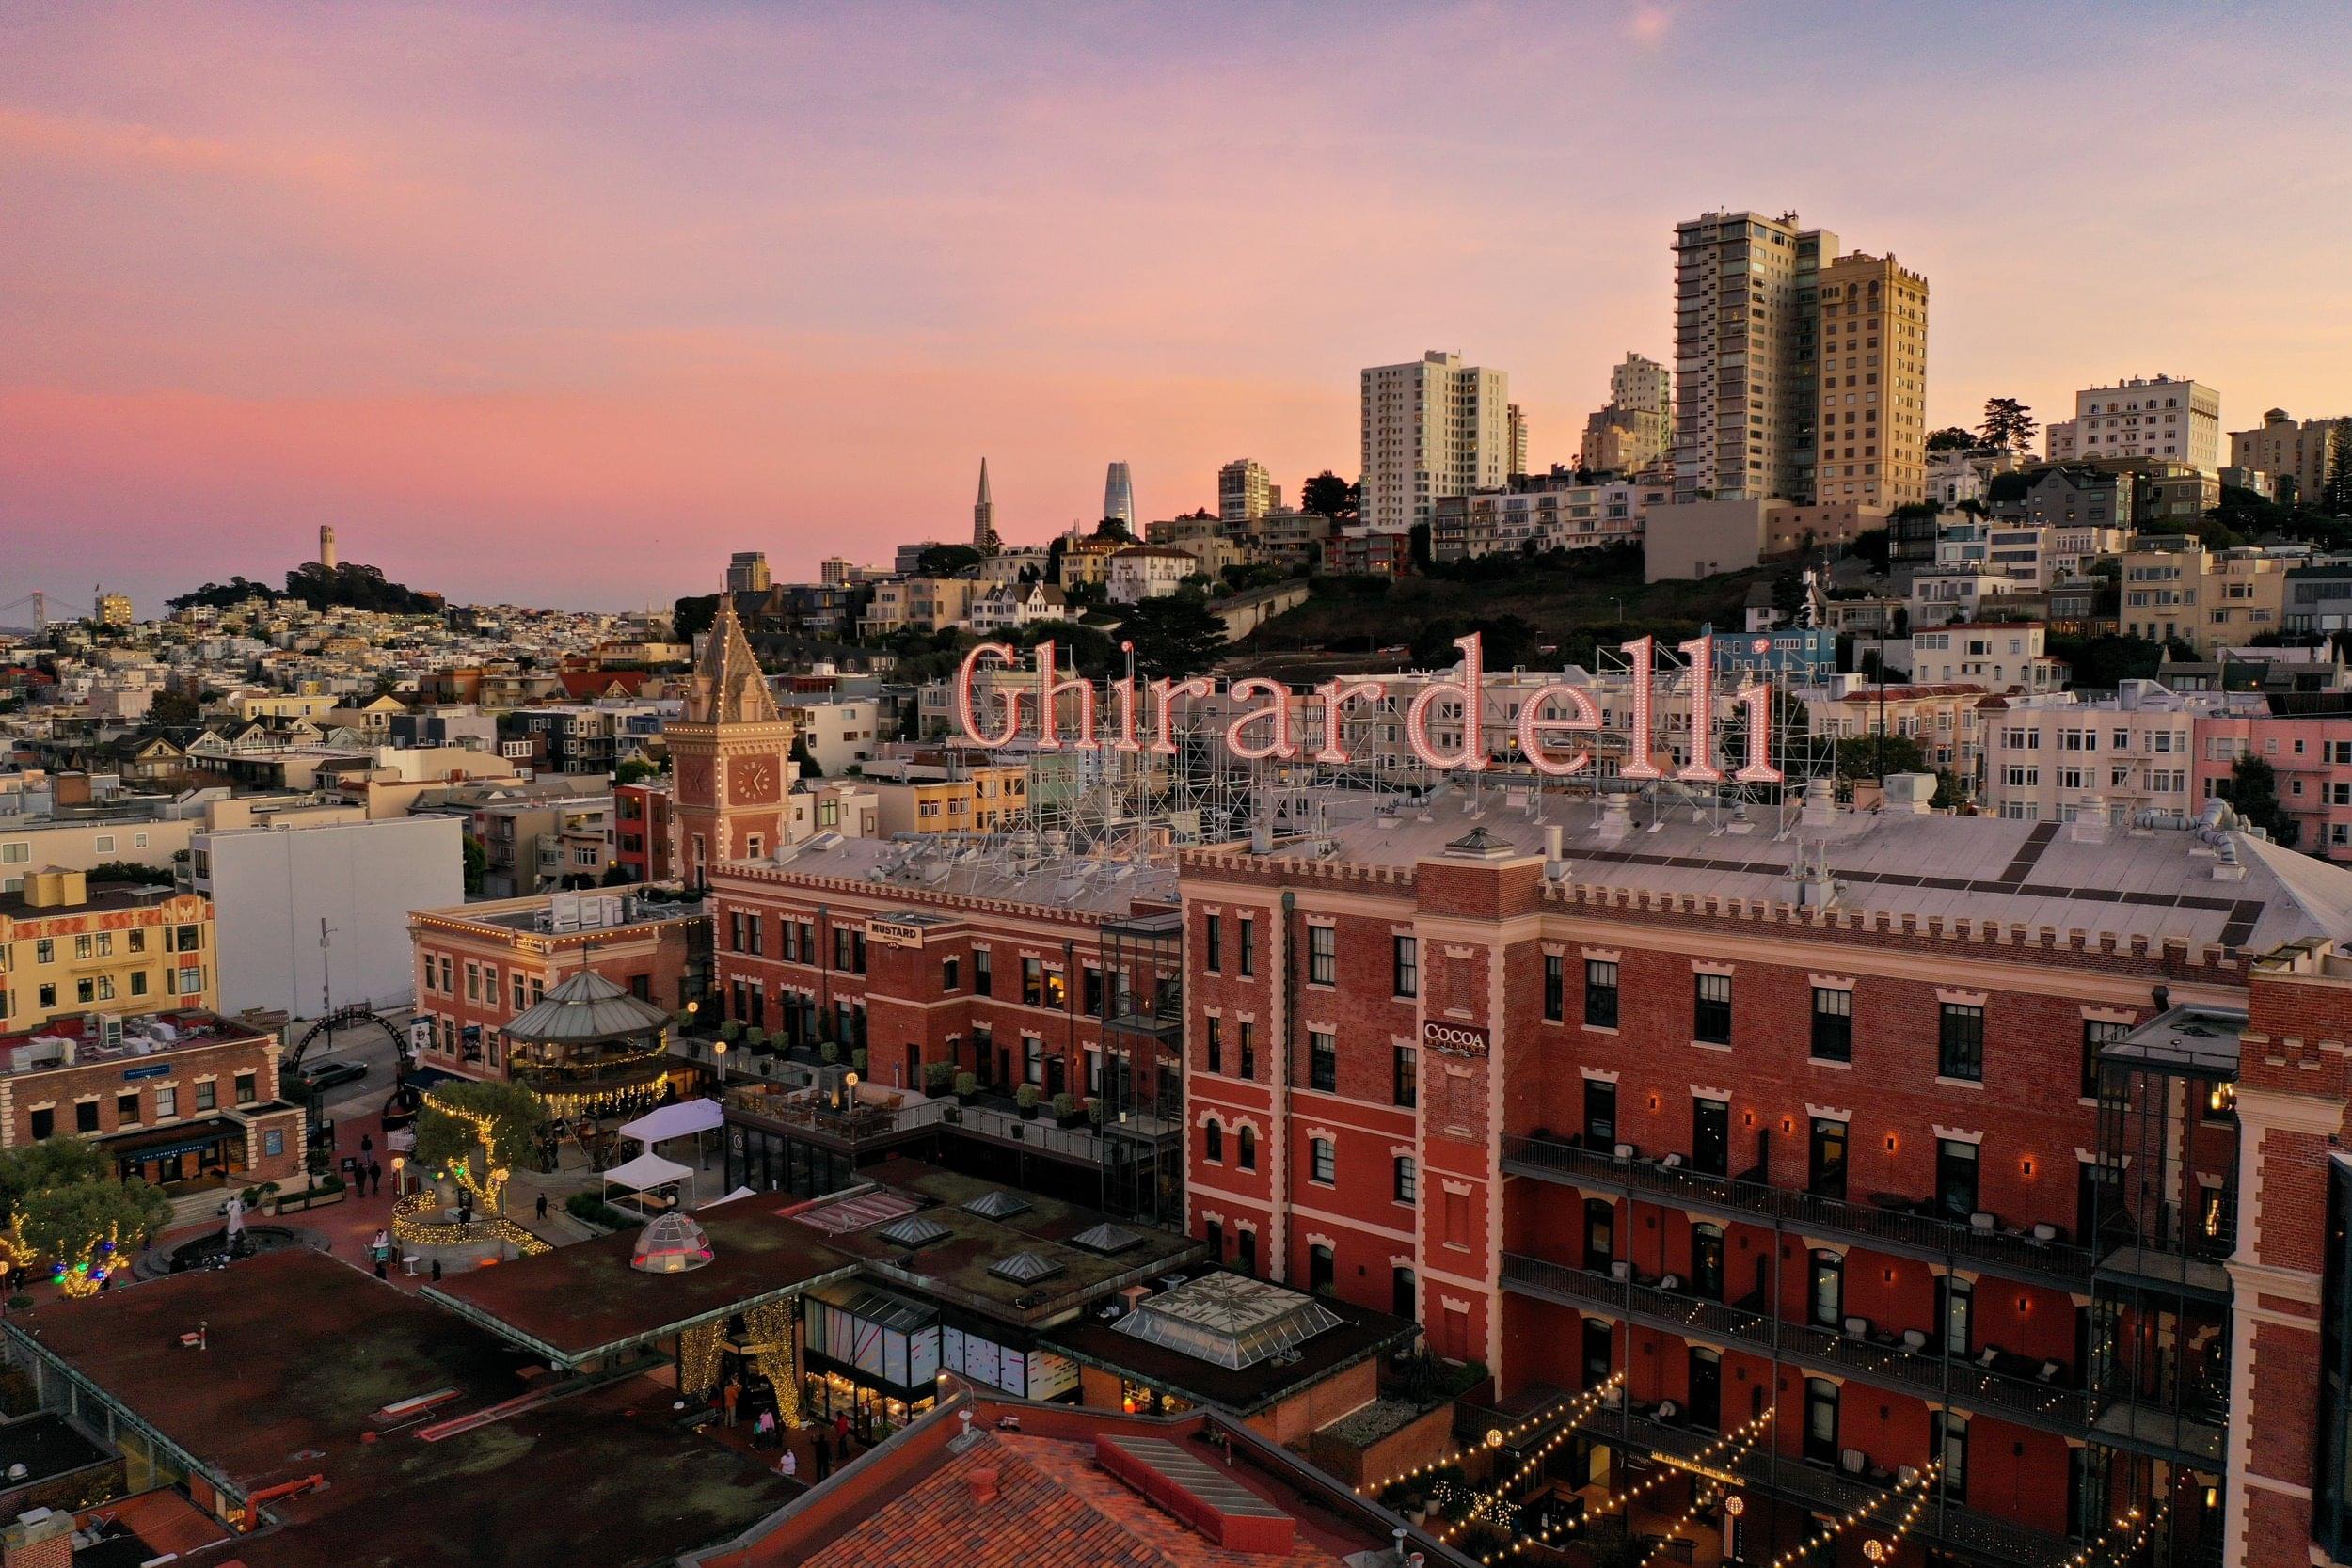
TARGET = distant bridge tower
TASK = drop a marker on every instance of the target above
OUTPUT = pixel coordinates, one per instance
(327, 545)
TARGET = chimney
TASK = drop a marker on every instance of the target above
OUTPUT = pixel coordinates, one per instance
(42, 1538)
(984, 1492)
(56, 889)
(1910, 794)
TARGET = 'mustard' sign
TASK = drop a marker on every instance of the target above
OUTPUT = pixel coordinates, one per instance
(1140, 717)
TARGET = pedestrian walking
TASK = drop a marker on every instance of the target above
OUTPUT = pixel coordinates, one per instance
(841, 1432)
(789, 1464)
(824, 1454)
(367, 1143)
(436, 1270)
(543, 1219)
(727, 1396)
(379, 1269)
(375, 1177)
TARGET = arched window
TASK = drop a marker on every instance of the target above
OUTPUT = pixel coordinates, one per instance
(1246, 1146)
(1213, 1142)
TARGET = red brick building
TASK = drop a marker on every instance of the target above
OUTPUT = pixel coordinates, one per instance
(731, 765)
(1874, 1128)
(641, 831)
(1021, 967)
(477, 965)
(184, 1099)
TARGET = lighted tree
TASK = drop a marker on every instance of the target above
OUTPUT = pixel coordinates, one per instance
(475, 1133)
(86, 1230)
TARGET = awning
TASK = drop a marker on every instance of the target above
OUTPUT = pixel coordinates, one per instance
(426, 1077)
(163, 1142)
(674, 1121)
(646, 1172)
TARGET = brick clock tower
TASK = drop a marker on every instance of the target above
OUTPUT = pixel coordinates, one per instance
(731, 758)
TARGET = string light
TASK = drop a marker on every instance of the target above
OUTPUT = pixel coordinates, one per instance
(1862, 1510)
(1749, 1430)
(1495, 1438)
(1576, 1411)
(409, 1226)
(1702, 1499)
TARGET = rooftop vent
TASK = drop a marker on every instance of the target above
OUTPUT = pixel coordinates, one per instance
(673, 1243)
(915, 1230)
(1025, 1268)
(1106, 1238)
(1480, 845)
(998, 1205)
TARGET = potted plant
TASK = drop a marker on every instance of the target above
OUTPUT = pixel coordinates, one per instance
(1027, 1096)
(756, 1038)
(1098, 1110)
(1066, 1109)
(828, 1052)
(857, 1061)
(730, 1031)
(938, 1077)
(967, 1087)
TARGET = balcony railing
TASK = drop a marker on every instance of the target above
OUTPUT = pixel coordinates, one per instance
(1889, 1223)
(1968, 1383)
(813, 1112)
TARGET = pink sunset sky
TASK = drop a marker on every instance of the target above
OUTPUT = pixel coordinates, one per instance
(563, 304)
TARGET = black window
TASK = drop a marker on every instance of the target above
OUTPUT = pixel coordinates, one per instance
(1555, 988)
(1323, 1061)
(1600, 1351)
(1322, 955)
(1212, 1142)
(1949, 1442)
(1959, 1046)
(1091, 990)
(2097, 1033)
(1711, 1137)
(1033, 982)
(1601, 1114)
(1707, 1262)
(1245, 935)
(1405, 966)
(1215, 1236)
(1832, 1025)
(1319, 1268)
(1213, 1039)
(1955, 1301)
(1710, 1010)
(126, 1107)
(1955, 1177)
(1829, 1289)
(86, 1116)
(45, 1124)
(1601, 994)
(1408, 1090)
(949, 971)
(983, 973)
(1324, 1159)
(1246, 1252)
(1600, 1233)
(1404, 1295)
(1407, 1179)
(1248, 1049)
(1246, 1149)
(1820, 1421)
(1825, 1175)
(1213, 941)
(247, 1091)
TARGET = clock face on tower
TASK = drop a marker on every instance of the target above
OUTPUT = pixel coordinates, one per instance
(694, 780)
(752, 781)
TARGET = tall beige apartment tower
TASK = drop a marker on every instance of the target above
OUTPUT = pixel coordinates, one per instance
(1871, 439)
(1431, 427)
(1515, 423)
(2177, 419)
(1246, 492)
(1636, 427)
(1744, 320)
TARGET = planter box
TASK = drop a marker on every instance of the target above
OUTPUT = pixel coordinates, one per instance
(315, 1198)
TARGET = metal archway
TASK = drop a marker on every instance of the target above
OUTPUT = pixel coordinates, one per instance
(358, 1015)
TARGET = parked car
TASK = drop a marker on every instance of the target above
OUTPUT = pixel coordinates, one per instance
(326, 1075)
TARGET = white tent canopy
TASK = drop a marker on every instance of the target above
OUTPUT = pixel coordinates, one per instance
(674, 1121)
(739, 1191)
(645, 1173)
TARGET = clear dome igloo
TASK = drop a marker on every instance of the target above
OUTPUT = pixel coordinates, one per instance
(672, 1243)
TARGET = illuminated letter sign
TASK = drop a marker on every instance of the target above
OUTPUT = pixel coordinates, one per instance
(1453, 1039)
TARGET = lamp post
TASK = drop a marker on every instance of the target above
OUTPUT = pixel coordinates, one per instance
(400, 1165)
(719, 1049)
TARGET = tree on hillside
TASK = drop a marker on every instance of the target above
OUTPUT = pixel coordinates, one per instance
(945, 560)
(690, 616)
(634, 770)
(1951, 438)
(1174, 636)
(2253, 788)
(1115, 529)
(2102, 663)
(2335, 493)
(1331, 496)
(2009, 424)
(477, 864)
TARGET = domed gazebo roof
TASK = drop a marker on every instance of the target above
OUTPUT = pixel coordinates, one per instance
(672, 1243)
(586, 1009)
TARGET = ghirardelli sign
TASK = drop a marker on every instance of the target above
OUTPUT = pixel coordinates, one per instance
(1141, 716)
(1452, 1039)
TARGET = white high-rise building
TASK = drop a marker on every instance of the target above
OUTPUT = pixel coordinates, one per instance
(2165, 416)
(1746, 314)
(1431, 427)
(1118, 495)
(1246, 492)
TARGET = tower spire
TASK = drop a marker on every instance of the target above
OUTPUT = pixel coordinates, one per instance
(985, 518)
